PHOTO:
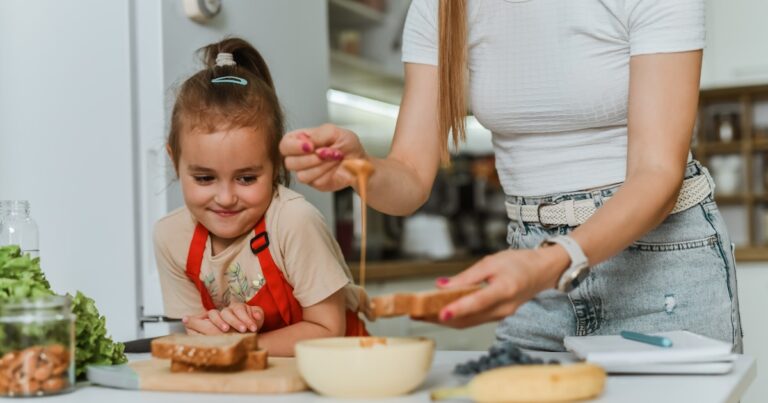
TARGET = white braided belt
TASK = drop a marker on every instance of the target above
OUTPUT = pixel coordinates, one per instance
(576, 212)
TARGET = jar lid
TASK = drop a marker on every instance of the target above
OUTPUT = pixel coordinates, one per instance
(40, 303)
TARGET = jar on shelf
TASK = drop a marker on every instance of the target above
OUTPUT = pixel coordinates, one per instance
(37, 345)
(17, 227)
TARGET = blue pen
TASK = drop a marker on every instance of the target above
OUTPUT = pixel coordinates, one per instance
(646, 338)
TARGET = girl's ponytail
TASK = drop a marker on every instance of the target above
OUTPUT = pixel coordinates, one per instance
(244, 55)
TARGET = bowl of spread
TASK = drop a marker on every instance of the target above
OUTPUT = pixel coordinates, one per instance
(364, 367)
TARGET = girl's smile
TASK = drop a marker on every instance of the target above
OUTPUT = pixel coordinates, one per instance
(227, 181)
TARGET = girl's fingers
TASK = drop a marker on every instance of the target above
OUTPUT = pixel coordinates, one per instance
(232, 320)
(192, 331)
(202, 326)
(258, 315)
(243, 313)
(215, 317)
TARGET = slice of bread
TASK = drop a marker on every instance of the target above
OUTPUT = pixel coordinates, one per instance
(257, 360)
(418, 305)
(199, 350)
(254, 361)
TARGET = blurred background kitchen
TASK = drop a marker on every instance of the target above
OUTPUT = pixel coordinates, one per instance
(85, 92)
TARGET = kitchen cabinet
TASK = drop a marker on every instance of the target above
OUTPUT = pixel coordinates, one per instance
(731, 140)
(735, 53)
(365, 41)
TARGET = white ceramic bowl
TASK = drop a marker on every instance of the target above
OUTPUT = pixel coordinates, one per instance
(344, 367)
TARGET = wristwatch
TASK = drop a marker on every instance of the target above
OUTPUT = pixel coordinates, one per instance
(579, 267)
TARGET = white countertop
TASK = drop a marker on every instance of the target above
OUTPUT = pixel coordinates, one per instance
(619, 388)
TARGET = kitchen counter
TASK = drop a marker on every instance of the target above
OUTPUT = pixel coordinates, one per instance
(619, 388)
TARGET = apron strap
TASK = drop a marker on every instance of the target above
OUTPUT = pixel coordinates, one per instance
(195, 260)
(282, 292)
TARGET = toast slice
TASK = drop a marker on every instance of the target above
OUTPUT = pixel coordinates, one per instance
(418, 305)
(254, 361)
(199, 350)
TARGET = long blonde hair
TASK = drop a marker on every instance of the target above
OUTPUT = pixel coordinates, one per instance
(452, 64)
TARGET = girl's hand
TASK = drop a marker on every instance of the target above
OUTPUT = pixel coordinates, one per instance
(237, 317)
(200, 324)
(315, 155)
(513, 277)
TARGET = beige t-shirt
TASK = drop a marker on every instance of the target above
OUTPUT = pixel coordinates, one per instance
(300, 244)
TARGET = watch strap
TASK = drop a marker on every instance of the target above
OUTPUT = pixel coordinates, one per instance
(579, 266)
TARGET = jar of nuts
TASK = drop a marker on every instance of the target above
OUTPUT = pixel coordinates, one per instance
(37, 344)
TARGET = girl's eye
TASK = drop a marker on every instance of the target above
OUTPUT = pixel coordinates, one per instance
(247, 180)
(203, 178)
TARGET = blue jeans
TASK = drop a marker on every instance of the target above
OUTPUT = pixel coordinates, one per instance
(680, 275)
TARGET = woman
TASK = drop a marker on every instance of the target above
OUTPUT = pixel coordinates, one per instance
(592, 104)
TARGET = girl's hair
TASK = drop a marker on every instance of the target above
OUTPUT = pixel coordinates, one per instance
(205, 107)
(452, 63)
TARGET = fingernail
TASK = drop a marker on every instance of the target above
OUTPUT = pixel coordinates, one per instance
(442, 280)
(225, 328)
(323, 153)
(306, 147)
(447, 315)
(253, 328)
(242, 329)
(337, 155)
(185, 319)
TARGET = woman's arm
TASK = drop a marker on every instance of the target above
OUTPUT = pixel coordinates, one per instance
(663, 96)
(403, 180)
(327, 318)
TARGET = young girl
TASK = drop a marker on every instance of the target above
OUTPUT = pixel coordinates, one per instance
(246, 253)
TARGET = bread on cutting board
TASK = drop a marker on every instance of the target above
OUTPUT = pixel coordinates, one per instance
(201, 350)
(255, 360)
(419, 304)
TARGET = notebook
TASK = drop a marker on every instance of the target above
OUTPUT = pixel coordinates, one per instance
(690, 354)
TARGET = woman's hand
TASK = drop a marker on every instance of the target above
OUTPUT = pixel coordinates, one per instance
(513, 277)
(237, 317)
(315, 155)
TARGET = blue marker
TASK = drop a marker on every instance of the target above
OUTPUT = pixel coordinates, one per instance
(646, 338)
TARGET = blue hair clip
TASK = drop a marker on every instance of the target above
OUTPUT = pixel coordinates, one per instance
(230, 80)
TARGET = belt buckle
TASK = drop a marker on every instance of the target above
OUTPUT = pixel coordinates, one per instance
(538, 214)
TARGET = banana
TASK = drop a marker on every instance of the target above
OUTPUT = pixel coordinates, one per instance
(531, 383)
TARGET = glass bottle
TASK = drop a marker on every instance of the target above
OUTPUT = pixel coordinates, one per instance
(37, 346)
(17, 227)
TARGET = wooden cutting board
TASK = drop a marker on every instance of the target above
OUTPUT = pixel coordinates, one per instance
(282, 376)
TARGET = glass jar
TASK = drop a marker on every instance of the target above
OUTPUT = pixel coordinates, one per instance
(17, 227)
(37, 347)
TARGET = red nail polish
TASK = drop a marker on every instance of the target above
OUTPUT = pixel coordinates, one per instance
(447, 315)
(337, 155)
(306, 147)
(442, 280)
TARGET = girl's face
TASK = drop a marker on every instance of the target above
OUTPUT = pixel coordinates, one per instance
(226, 178)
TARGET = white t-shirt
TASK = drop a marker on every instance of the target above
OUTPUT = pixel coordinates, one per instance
(550, 79)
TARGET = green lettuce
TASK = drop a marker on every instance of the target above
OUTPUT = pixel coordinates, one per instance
(20, 278)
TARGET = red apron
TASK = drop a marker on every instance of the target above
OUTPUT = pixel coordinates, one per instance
(276, 298)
